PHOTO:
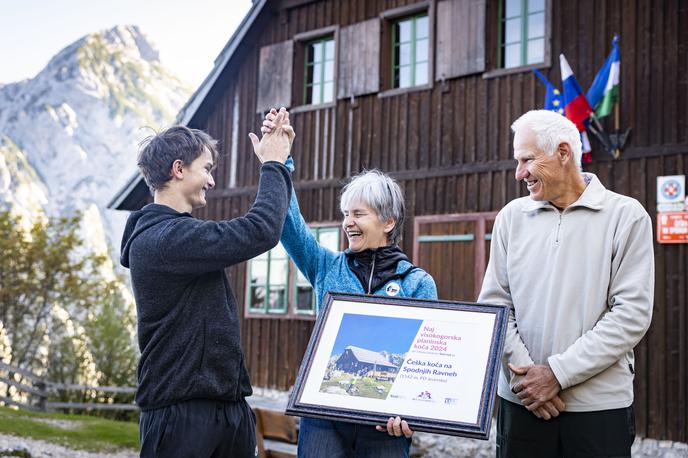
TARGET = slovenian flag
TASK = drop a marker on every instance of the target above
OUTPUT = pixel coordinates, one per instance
(604, 91)
(576, 107)
(587, 149)
(554, 101)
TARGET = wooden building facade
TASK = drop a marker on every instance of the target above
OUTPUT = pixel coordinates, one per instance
(446, 139)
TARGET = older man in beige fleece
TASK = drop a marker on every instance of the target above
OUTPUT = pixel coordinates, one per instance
(574, 262)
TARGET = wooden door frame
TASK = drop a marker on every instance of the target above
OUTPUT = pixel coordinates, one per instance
(480, 253)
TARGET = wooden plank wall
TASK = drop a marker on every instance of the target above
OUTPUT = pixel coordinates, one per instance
(450, 149)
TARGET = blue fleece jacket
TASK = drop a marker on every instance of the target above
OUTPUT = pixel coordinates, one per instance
(328, 271)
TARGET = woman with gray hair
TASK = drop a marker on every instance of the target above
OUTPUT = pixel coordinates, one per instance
(372, 205)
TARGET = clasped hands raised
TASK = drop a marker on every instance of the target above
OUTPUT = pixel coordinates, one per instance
(276, 127)
(275, 144)
(538, 388)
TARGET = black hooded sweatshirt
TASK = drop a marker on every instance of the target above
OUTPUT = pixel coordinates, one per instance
(188, 323)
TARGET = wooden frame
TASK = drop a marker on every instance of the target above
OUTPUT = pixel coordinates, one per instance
(301, 40)
(396, 43)
(322, 59)
(276, 434)
(442, 359)
(41, 389)
(387, 44)
(281, 311)
(293, 273)
(494, 24)
(291, 289)
(480, 252)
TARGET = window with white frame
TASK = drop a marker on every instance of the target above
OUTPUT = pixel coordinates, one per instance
(276, 287)
(410, 51)
(319, 71)
(522, 32)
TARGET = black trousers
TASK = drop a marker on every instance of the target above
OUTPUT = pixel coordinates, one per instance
(604, 433)
(199, 429)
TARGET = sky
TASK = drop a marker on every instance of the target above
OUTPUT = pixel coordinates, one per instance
(375, 333)
(189, 35)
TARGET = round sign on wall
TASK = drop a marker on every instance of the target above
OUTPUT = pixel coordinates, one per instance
(671, 189)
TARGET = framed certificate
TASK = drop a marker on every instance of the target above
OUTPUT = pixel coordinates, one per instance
(433, 363)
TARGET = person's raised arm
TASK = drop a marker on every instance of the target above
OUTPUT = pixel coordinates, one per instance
(192, 246)
(309, 256)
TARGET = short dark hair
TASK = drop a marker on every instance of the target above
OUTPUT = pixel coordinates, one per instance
(158, 152)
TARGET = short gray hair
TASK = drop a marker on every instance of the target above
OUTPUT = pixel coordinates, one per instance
(550, 130)
(379, 192)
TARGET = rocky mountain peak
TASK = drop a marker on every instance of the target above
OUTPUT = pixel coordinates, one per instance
(78, 122)
(123, 42)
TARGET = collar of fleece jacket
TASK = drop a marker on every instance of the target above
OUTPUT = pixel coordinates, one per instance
(374, 268)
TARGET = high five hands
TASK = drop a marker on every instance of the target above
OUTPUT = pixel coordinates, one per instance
(274, 145)
(274, 121)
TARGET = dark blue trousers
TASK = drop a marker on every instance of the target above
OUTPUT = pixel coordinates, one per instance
(199, 429)
(336, 439)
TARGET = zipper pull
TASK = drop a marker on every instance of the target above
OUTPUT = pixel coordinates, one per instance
(372, 271)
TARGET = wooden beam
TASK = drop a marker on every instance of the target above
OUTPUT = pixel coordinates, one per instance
(461, 169)
(24, 388)
(12, 402)
(90, 406)
(288, 4)
(17, 370)
(405, 10)
(108, 389)
(446, 238)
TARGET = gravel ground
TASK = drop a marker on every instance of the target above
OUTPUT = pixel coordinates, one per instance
(435, 446)
(424, 445)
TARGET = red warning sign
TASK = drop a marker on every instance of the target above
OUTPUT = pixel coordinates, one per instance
(672, 227)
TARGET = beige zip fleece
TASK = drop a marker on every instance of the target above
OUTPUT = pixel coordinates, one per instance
(580, 287)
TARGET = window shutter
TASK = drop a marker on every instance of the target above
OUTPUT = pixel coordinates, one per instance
(275, 74)
(359, 59)
(460, 38)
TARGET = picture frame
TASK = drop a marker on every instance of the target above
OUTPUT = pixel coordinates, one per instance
(433, 363)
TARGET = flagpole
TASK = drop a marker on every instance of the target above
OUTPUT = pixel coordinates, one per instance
(596, 128)
(617, 126)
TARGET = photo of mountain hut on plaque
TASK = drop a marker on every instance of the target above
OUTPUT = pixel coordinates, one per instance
(367, 355)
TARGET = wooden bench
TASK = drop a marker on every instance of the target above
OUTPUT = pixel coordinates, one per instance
(276, 434)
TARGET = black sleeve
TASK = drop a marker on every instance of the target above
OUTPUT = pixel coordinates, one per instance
(190, 245)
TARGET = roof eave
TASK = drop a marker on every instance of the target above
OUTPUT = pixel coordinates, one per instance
(189, 110)
(123, 194)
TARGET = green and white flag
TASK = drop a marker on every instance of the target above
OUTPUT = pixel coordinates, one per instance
(604, 92)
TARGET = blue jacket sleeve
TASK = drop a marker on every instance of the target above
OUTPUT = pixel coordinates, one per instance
(309, 256)
(426, 288)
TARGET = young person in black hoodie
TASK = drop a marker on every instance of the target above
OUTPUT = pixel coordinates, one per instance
(192, 380)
